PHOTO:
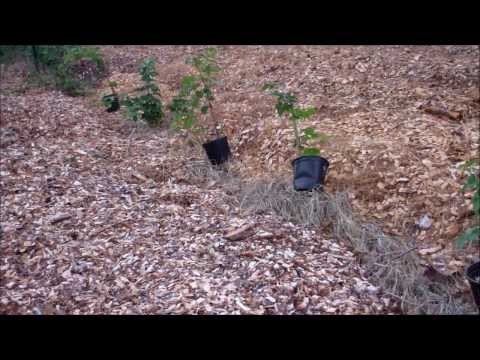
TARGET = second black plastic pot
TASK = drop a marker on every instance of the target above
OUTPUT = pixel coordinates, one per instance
(473, 276)
(218, 151)
(309, 172)
(115, 105)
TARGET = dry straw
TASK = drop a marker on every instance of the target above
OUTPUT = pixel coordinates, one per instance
(391, 262)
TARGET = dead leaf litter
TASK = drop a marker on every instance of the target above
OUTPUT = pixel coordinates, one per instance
(95, 219)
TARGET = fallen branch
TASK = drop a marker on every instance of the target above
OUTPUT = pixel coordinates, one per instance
(59, 218)
(239, 233)
(454, 115)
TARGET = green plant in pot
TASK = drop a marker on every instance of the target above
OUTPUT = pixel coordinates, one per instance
(472, 235)
(147, 105)
(193, 106)
(310, 168)
(111, 101)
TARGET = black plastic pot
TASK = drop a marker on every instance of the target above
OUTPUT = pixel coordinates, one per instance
(115, 103)
(218, 151)
(473, 276)
(309, 172)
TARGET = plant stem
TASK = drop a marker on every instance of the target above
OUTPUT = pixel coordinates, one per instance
(213, 118)
(210, 106)
(130, 139)
(297, 135)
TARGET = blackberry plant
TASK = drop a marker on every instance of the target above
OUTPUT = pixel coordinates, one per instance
(147, 105)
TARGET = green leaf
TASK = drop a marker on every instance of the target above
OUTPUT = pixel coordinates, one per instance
(310, 133)
(195, 102)
(210, 52)
(204, 109)
(472, 235)
(283, 108)
(287, 98)
(469, 164)
(188, 84)
(311, 151)
(188, 121)
(476, 202)
(473, 182)
(147, 70)
(298, 113)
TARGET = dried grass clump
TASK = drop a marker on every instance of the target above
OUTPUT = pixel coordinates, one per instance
(390, 262)
(204, 171)
(225, 174)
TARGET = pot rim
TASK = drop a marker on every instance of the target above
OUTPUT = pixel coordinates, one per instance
(310, 156)
(217, 139)
(471, 279)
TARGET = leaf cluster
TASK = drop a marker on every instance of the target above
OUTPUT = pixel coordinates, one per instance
(147, 105)
(286, 106)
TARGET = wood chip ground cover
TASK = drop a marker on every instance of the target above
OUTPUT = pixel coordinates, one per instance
(96, 218)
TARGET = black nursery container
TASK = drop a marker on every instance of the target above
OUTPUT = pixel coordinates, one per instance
(309, 172)
(218, 151)
(115, 103)
(473, 276)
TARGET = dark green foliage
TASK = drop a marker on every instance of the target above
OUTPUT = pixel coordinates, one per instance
(206, 67)
(70, 68)
(52, 55)
(185, 104)
(148, 72)
(286, 106)
(9, 52)
(79, 69)
(472, 183)
(147, 105)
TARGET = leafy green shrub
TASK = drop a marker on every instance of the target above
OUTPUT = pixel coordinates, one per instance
(70, 68)
(10, 52)
(472, 183)
(51, 56)
(286, 106)
(146, 106)
(195, 96)
(80, 69)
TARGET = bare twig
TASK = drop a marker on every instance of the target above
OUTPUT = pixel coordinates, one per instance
(98, 232)
(405, 253)
(130, 139)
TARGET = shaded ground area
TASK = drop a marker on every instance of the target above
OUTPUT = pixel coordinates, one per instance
(97, 218)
